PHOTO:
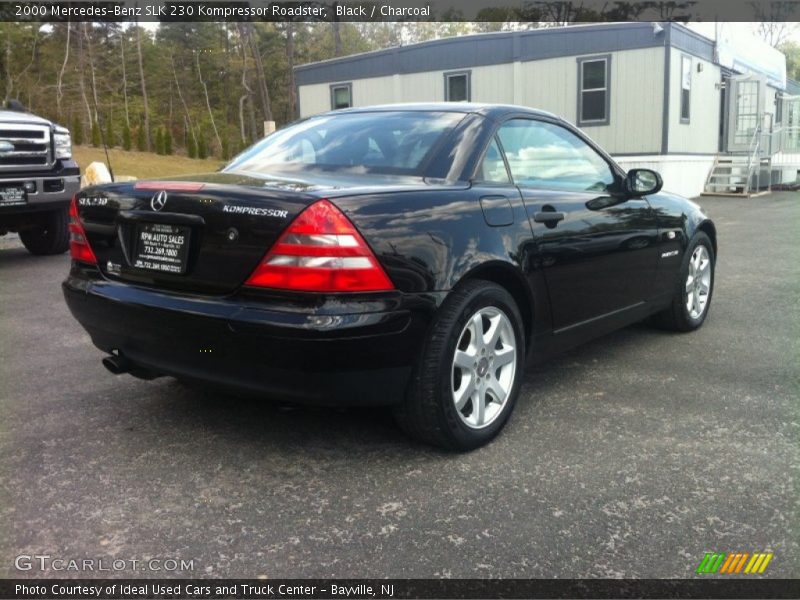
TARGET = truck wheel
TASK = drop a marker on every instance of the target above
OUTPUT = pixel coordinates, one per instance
(49, 236)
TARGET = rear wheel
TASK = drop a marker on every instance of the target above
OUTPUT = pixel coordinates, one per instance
(692, 298)
(468, 378)
(49, 236)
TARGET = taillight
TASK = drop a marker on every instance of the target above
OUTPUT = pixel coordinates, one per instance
(79, 247)
(321, 251)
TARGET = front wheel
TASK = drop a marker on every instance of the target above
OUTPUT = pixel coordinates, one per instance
(468, 377)
(692, 298)
(49, 236)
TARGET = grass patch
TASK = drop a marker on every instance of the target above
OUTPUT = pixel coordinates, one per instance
(143, 165)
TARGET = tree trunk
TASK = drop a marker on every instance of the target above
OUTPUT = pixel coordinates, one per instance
(244, 98)
(124, 77)
(292, 91)
(180, 95)
(144, 85)
(337, 38)
(82, 82)
(247, 28)
(92, 71)
(208, 102)
(59, 84)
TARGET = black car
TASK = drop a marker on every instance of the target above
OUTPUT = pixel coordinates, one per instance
(416, 256)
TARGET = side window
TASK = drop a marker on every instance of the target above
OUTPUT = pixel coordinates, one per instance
(593, 91)
(546, 155)
(341, 96)
(686, 88)
(492, 168)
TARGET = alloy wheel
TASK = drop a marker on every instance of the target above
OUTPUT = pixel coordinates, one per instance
(698, 282)
(483, 369)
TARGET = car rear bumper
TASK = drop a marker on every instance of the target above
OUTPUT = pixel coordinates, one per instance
(354, 353)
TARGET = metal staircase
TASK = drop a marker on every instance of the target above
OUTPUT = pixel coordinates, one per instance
(742, 174)
(738, 175)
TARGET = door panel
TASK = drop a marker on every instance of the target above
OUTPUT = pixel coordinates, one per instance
(598, 253)
(745, 112)
(599, 259)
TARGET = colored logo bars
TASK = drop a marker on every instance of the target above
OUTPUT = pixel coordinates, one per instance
(734, 563)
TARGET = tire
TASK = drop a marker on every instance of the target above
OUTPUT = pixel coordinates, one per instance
(691, 288)
(49, 236)
(429, 411)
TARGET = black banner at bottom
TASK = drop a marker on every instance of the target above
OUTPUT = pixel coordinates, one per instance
(384, 589)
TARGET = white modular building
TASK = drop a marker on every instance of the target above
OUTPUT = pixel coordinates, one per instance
(712, 116)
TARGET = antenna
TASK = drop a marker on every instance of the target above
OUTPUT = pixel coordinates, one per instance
(103, 140)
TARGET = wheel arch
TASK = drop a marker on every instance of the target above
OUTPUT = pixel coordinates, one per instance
(710, 230)
(509, 278)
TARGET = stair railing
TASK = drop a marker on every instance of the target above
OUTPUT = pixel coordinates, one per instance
(754, 160)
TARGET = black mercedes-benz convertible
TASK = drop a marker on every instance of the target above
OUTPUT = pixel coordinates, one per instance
(416, 256)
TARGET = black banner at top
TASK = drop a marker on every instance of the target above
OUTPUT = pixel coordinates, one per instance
(544, 11)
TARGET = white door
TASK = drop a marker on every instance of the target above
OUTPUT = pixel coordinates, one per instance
(745, 110)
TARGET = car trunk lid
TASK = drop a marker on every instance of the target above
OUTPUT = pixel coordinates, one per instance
(205, 234)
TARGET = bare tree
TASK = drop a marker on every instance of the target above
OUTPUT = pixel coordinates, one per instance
(773, 27)
(87, 36)
(188, 117)
(82, 80)
(208, 102)
(59, 83)
(775, 33)
(144, 86)
(124, 77)
(292, 91)
(246, 31)
(336, 29)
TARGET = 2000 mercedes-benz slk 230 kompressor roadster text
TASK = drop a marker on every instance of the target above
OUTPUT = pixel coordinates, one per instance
(409, 255)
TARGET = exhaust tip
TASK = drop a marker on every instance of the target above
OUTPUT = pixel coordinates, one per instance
(116, 364)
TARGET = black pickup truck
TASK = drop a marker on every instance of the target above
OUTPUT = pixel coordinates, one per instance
(37, 180)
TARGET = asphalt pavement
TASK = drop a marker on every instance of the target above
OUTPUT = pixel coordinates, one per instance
(631, 456)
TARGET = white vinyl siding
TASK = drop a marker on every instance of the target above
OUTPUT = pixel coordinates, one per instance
(701, 136)
(636, 92)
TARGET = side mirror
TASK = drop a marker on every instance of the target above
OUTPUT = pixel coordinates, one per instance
(641, 182)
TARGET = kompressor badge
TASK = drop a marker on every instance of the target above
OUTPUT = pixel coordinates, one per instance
(255, 211)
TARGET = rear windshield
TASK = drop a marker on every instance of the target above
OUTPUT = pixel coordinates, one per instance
(378, 142)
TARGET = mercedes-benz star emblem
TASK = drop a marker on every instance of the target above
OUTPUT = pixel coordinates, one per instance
(158, 201)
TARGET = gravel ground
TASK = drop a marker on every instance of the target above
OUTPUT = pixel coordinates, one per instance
(628, 457)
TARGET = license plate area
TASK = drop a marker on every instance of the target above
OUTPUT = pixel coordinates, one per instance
(13, 196)
(162, 247)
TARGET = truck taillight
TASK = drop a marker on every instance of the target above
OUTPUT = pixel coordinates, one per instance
(321, 251)
(79, 247)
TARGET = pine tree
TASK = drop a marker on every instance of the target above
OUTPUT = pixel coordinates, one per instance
(159, 141)
(191, 148)
(96, 141)
(202, 149)
(141, 140)
(110, 141)
(226, 148)
(126, 138)
(77, 131)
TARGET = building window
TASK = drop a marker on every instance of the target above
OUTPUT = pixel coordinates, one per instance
(686, 87)
(341, 96)
(457, 87)
(593, 95)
